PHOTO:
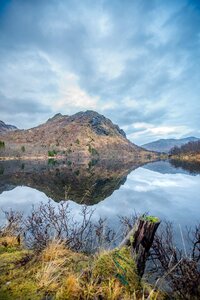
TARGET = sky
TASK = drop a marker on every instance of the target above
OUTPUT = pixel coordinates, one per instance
(135, 61)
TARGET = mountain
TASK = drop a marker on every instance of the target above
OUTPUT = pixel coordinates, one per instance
(165, 145)
(5, 127)
(82, 135)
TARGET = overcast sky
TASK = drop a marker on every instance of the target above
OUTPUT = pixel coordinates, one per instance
(135, 61)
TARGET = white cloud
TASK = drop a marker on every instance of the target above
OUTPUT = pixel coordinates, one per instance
(150, 131)
(69, 95)
(39, 79)
(110, 64)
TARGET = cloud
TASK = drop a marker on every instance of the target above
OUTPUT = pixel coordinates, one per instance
(69, 92)
(147, 131)
(136, 62)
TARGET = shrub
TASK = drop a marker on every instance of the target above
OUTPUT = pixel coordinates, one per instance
(77, 172)
(178, 268)
(92, 163)
(47, 221)
(2, 145)
(52, 153)
(23, 149)
(51, 162)
(69, 162)
(93, 151)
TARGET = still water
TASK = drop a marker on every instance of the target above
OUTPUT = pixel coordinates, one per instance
(169, 190)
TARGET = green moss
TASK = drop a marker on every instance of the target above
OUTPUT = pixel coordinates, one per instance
(16, 281)
(151, 219)
(4, 249)
(117, 264)
(25, 289)
(9, 256)
(131, 239)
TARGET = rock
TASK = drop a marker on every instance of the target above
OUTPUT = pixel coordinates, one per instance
(97, 127)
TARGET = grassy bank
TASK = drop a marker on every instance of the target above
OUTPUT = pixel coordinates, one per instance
(59, 273)
(187, 157)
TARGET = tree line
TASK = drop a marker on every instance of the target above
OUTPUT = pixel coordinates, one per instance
(189, 148)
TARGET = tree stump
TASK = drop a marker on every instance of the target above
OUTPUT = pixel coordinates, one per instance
(140, 239)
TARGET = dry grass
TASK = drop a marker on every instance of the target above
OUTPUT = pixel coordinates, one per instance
(66, 275)
(112, 290)
(54, 260)
(54, 251)
(70, 289)
(49, 274)
(9, 241)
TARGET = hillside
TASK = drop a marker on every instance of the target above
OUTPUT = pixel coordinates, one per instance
(5, 127)
(165, 145)
(84, 134)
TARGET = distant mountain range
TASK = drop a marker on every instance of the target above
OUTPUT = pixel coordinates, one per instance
(84, 134)
(5, 127)
(165, 145)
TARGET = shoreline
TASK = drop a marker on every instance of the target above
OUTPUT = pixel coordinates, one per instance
(59, 157)
(186, 158)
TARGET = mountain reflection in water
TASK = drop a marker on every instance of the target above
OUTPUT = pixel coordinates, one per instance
(113, 189)
(59, 180)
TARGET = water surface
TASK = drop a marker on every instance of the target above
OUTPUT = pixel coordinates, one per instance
(169, 190)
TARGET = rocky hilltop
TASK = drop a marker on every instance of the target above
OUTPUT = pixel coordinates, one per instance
(84, 134)
(5, 127)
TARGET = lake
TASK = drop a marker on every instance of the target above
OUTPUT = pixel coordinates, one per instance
(169, 190)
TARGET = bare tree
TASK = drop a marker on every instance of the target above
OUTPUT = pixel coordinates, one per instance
(181, 271)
